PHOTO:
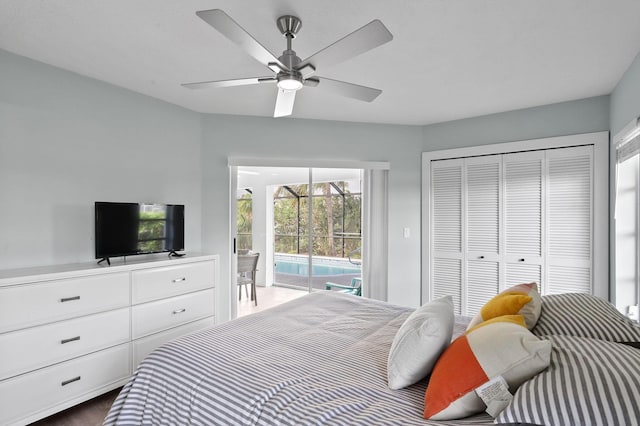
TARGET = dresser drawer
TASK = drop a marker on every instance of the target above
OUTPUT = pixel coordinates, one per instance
(156, 316)
(36, 347)
(33, 395)
(39, 303)
(158, 283)
(143, 347)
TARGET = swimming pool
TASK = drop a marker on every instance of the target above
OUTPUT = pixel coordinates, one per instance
(299, 268)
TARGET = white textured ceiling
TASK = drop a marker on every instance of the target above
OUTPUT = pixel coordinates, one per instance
(449, 59)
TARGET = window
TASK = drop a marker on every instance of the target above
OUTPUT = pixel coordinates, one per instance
(627, 221)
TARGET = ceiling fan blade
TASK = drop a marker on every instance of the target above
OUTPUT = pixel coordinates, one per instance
(307, 70)
(350, 90)
(284, 103)
(311, 82)
(361, 40)
(229, 83)
(234, 32)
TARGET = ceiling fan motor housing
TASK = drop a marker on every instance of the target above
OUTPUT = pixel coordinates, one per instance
(289, 25)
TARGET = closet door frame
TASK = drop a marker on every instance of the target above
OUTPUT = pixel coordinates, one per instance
(600, 143)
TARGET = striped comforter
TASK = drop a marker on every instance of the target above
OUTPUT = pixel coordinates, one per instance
(318, 360)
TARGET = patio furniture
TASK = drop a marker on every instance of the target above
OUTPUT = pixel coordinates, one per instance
(354, 288)
(247, 267)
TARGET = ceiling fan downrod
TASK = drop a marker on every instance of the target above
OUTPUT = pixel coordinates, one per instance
(289, 26)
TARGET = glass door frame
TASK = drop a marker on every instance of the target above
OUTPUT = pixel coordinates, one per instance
(235, 162)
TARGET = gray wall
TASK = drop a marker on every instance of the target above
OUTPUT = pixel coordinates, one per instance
(233, 136)
(625, 98)
(67, 141)
(566, 118)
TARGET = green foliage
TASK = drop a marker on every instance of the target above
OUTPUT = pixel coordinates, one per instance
(151, 232)
(336, 222)
(245, 219)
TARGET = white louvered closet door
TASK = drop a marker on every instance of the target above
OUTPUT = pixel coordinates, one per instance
(523, 217)
(483, 182)
(569, 220)
(446, 230)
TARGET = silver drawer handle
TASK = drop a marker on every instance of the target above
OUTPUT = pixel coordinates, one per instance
(66, 382)
(69, 299)
(177, 280)
(71, 339)
(179, 311)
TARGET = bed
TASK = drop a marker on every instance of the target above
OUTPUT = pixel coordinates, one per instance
(320, 359)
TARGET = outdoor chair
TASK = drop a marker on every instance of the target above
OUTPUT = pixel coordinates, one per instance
(247, 266)
(354, 288)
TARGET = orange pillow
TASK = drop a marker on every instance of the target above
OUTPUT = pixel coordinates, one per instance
(501, 348)
(521, 299)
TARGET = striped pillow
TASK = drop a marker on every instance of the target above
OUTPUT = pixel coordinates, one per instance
(584, 315)
(589, 382)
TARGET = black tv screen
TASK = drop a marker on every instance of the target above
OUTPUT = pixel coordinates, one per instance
(124, 229)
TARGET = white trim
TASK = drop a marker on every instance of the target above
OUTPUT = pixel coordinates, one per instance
(600, 142)
(233, 231)
(308, 162)
(623, 135)
(601, 285)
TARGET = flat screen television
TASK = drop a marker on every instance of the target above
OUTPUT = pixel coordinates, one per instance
(125, 229)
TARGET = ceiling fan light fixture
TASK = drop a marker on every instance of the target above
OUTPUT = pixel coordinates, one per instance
(289, 82)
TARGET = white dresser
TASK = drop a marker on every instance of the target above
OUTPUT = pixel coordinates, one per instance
(71, 332)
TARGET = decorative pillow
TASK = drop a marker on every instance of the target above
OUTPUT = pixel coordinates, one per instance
(516, 319)
(521, 299)
(499, 349)
(419, 342)
(589, 382)
(584, 315)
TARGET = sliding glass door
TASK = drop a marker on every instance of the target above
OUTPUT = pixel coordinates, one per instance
(336, 228)
(306, 223)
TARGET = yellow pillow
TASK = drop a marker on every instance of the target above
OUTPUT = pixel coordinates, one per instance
(515, 319)
(521, 299)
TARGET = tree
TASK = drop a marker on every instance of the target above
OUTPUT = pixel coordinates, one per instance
(245, 221)
(333, 215)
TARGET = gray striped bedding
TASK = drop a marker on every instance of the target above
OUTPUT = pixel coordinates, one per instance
(589, 382)
(318, 360)
(583, 315)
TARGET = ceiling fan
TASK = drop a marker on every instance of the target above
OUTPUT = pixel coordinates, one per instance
(290, 72)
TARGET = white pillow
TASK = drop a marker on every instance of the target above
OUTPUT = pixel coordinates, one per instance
(417, 345)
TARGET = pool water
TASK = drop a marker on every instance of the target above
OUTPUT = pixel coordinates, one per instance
(295, 268)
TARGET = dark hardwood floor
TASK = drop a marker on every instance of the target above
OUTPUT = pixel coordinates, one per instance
(89, 413)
